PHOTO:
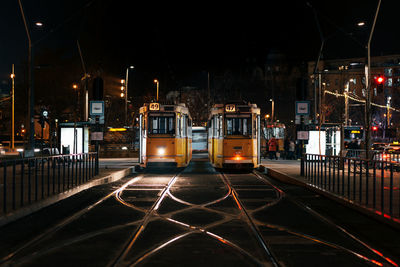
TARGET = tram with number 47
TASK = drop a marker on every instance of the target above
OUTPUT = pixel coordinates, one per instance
(165, 135)
(234, 136)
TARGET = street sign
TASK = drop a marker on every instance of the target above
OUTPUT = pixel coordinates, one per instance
(96, 136)
(97, 108)
(302, 107)
(302, 135)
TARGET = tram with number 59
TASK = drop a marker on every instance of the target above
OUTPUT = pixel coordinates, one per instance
(165, 135)
(234, 136)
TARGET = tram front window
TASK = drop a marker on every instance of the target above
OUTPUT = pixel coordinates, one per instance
(238, 126)
(162, 125)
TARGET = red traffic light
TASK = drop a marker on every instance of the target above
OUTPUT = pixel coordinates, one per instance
(374, 128)
(380, 79)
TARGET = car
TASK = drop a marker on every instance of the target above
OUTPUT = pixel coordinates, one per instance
(390, 153)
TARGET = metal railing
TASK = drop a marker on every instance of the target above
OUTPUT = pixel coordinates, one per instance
(372, 184)
(28, 180)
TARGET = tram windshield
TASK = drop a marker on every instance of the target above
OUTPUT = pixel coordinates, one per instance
(162, 124)
(238, 125)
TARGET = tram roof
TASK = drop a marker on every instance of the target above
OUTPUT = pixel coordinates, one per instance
(234, 109)
(158, 107)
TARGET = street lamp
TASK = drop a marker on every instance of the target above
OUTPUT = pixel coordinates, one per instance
(12, 107)
(126, 93)
(368, 87)
(31, 91)
(273, 109)
(361, 24)
(157, 82)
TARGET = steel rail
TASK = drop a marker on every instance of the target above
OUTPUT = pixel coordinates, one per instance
(331, 223)
(250, 222)
(145, 221)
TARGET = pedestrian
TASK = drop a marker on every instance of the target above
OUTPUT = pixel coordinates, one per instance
(292, 149)
(272, 147)
(286, 148)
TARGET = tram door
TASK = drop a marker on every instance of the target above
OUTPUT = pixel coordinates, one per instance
(258, 132)
(141, 135)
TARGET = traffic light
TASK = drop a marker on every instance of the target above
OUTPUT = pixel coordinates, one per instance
(374, 128)
(98, 88)
(123, 87)
(379, 81)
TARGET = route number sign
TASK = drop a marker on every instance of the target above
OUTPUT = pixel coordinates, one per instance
(230, 108)
(154, 106)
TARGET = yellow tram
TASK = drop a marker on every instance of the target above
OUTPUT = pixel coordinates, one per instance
(234, 136)
(165, 135)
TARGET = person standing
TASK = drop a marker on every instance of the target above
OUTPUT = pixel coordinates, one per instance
(286, 148)
(292, 148)
(272, 147)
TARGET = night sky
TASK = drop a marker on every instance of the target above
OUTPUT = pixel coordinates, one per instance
(175, 39)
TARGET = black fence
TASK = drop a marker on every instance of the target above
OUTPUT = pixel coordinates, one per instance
(372, 184)
(29, 180)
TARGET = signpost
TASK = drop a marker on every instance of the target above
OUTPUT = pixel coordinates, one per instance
(302, 109)
(97, 112)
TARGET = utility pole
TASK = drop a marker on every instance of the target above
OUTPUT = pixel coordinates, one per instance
(368, 88)
(31, 91)
(85, 77)
(12, 107)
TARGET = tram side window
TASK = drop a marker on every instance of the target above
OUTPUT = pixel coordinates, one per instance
(238, 126)
(189, 131)
(161, 125)
(184, 126)
(214, 126)
(220, 128)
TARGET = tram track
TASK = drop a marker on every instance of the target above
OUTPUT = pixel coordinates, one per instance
(8, 258)
(386, 260)
(250, 222)
(236, 188)
(190, 229)
(12, 258)
(145, 221)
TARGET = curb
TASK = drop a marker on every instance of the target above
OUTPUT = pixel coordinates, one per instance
(350, 204)
(25, 211)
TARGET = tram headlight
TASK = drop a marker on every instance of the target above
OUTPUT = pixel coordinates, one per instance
(237, 155)
(161, 151)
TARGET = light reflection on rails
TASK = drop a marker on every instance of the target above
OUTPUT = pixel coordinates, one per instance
(151, 214)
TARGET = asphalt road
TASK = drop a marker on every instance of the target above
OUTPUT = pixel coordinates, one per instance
(197, 217)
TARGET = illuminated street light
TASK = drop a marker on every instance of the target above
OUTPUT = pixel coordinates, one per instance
(158, 84)
(361, 24)
(39, 24)
(273, 109)
(126, 92)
